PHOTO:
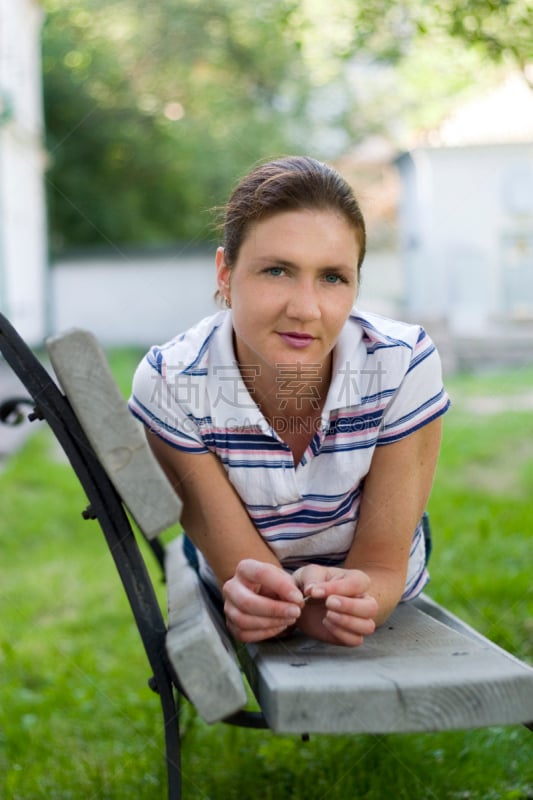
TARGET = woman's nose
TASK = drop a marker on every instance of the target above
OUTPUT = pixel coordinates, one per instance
(304, 303)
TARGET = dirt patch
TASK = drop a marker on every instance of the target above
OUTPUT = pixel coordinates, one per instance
(496, 404)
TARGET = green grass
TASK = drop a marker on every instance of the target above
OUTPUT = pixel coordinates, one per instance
(77, 720)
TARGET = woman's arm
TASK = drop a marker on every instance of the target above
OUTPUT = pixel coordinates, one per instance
(261, 599)
(213, 515)
(395, 495)
(394, 498)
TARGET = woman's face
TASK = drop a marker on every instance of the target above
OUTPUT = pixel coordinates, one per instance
(291, 289)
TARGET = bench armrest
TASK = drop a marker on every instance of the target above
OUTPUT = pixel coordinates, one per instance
(198, 644)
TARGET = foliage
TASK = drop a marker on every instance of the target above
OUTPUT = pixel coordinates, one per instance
(412, 60)
(77, 719)
(499, 29)
(152, 109)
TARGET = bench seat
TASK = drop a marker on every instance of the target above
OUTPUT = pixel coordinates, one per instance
(418, 672)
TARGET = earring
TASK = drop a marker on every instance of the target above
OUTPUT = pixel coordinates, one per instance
(227, 301)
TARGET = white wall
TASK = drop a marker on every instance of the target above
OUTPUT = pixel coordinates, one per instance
(137, 300)
(23, 249)
(468, 223)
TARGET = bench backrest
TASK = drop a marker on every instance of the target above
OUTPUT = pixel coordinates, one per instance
(84, 375)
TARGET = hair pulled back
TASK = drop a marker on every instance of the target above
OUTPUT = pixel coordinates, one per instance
(294, 183)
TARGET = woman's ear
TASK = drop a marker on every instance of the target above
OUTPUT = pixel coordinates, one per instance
(223, 273)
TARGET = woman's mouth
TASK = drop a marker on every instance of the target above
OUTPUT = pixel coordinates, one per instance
(294, 339)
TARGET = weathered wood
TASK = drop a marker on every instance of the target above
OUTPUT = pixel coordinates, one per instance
(84, 375)
(197, 643)
(422, 671)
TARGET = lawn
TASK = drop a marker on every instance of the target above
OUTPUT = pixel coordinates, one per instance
(78, 722)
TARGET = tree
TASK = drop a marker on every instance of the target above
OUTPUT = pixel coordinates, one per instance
(499, 29)
(410, 61)
(152, 109)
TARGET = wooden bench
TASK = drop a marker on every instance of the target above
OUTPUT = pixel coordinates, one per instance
(424, 670)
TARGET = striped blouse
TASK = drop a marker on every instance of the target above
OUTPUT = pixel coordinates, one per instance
(386, 384)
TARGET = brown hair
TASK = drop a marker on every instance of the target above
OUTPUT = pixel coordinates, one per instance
(288, 184)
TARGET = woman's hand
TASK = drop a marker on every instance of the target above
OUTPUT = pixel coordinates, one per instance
(260, 601)
(340, 609)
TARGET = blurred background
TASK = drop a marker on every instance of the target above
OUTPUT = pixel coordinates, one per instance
(123, 124)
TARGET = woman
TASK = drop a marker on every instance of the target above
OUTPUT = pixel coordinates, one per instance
(301, 434)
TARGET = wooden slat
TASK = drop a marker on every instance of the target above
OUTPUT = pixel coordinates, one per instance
(197, 644)
(422, 671)
(84, 375)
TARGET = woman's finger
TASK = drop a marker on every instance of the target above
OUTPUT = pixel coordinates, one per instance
(268, 579)
(344, 637)
(272, 614)
(360, 626)
(252, 618)
(365, 607)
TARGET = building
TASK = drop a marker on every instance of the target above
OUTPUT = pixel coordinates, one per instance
(466, 219)
(23, 239)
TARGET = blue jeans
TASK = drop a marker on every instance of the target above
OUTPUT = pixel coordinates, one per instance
(191, 554)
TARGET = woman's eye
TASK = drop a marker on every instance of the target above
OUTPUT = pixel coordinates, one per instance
(332, 277)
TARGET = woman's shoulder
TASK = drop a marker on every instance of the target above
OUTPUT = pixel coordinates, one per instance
(187, 351)
(378, 329)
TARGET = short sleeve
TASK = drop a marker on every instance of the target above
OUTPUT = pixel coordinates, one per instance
(162, 399)
(420, 397)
